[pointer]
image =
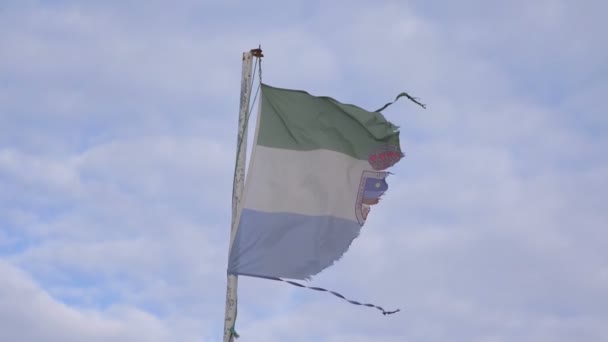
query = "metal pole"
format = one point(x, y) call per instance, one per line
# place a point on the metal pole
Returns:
point(238, 185)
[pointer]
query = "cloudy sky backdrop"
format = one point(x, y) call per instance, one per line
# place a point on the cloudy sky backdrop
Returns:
point(117, 142)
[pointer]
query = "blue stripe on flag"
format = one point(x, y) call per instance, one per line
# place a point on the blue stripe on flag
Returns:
point(287, 245)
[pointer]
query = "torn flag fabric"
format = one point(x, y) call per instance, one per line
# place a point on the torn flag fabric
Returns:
point(317, 168)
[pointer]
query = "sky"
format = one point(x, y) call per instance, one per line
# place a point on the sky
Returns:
point(117, 144)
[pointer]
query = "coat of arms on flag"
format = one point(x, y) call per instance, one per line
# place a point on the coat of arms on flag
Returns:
point(372, 187)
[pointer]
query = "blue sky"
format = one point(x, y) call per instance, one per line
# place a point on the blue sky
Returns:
point(117, 142)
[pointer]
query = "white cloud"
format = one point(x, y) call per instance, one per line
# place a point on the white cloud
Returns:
point(27, 313)
point(116, 153)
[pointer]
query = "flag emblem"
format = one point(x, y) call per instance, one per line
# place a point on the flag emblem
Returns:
point(371, 187)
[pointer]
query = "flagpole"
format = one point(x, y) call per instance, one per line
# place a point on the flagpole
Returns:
point(238, 185)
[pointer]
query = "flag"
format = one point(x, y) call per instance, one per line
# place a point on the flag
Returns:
point(317, 168)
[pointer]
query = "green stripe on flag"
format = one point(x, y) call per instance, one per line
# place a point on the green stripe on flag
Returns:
point(296, 120)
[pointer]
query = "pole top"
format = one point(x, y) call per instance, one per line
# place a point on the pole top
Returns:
point(257, 52)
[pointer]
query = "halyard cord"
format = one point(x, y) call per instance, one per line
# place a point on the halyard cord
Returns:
point(384, 312)
point(240, 142)
point(258, 63)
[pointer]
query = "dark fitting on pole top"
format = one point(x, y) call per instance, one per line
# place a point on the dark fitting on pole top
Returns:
point(257, 52)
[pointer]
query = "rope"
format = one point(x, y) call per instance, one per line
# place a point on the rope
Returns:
point(257, 60)
point(255, 97)
point(240, 142)
point(260, 67)
point(384, 312)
